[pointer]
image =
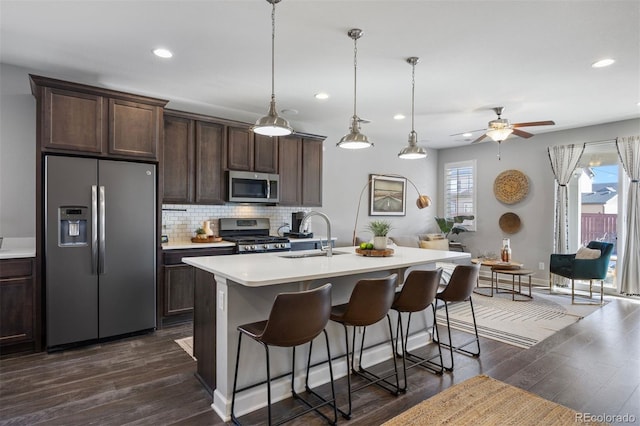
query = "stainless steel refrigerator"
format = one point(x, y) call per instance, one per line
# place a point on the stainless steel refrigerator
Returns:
point(100, 248)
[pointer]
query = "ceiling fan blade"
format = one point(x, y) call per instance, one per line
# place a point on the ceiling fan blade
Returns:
point(480, 138)
point(522, 133)
point(534, 123)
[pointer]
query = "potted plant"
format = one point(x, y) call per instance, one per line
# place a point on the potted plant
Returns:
point(201, 234)
point(452, 225)
point(379, 229)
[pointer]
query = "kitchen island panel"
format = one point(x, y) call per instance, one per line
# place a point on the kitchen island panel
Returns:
point(245, 288)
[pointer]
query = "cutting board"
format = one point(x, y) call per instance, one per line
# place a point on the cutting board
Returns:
point(375, 253)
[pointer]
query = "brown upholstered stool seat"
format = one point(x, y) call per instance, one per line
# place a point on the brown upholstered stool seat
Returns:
point(295, 319)
point(417, 294)
point(459, 289)
point(369, 303)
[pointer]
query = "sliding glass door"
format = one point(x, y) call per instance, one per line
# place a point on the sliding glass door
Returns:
point(595, 202)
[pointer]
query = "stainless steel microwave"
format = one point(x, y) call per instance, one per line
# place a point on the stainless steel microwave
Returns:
point(252, 187)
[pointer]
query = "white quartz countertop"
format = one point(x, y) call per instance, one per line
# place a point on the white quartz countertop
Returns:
point(13, 248)
point(190, 245)
point(262, 269)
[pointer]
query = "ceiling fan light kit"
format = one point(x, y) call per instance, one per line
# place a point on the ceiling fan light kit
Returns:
point(272, 124)
point(413, 151)
point(500, 129)
point(498, 135)
point(354, 139)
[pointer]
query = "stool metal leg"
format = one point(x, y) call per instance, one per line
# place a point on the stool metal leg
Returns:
point(295, 395)
point(365, 374)
point(235, 383)
point(450, 345)
point(416, 360)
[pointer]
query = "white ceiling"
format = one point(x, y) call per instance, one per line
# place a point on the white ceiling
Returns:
point(533, 57)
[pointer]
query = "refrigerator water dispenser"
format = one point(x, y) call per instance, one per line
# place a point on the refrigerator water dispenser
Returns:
point(72, 226)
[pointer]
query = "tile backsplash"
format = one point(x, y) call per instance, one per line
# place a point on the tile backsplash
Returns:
point(179, 221)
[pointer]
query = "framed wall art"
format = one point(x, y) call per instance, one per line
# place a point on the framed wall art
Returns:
point(387, 195)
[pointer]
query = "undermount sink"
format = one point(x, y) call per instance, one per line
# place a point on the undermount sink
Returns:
point(294, 255)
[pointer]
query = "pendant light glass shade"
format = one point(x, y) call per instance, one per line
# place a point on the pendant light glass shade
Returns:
point(272, 124)
point(498, 135)
point(354, 139)
point(413, 151)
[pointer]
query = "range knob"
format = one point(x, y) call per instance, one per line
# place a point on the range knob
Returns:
point(265, 246)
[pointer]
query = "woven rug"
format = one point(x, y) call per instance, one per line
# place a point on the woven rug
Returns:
point(519, 323)
point(482, 400)
point(186, 344)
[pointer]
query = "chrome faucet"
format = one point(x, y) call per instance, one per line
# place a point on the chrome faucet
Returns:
point(328, 247)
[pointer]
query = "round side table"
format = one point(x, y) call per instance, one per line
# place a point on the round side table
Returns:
point(514, 273)
point(497, 264)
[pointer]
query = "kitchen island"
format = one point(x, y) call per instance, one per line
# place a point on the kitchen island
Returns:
point(234, 290)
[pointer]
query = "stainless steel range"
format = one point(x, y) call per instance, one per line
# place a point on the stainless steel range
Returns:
point(251, 235)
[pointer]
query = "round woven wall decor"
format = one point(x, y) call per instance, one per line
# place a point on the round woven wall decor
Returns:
point(511, 186)
point(510, 223)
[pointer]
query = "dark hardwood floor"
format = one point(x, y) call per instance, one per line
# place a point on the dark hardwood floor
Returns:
point(591, 366)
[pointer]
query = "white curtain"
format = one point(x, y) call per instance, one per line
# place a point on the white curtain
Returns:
point(629, 151)
point(564, 159)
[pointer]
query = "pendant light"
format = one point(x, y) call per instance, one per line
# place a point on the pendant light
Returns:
point(354, 139)
point(272, 124)
point(413, 151)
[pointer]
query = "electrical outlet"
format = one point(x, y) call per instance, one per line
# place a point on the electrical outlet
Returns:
point(221, 300)
point(541, 266)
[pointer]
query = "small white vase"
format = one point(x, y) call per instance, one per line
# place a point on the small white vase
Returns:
point(379, 243)
point(207, 228)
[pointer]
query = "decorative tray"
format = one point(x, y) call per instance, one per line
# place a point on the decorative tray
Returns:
point(210, 239)
point(375, 253)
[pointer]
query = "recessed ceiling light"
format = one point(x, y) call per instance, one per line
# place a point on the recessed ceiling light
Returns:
point(467, 135)
point(603, 63)
point(162, 53)
point(399, 117)
point(321, 95)
point(289, 111)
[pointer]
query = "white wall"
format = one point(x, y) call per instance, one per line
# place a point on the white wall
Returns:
point(17, 153)
point(534, 242)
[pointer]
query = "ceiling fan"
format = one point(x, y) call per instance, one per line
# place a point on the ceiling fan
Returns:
point(500, 128)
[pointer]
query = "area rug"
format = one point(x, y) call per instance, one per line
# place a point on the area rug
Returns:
point(482, 400)
point(519, 323)
point(187, 345)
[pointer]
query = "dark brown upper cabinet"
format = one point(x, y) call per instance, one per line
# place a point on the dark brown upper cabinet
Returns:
point(193, 159)
point(178, 159)
point(251, 152)
point(300, 159)
point(239, 148)
point(85, 119)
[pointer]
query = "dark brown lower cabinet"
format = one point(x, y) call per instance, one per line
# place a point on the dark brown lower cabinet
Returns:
point(17, 306)
point(175, 298)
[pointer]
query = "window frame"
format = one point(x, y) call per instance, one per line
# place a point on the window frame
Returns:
point(469, 225)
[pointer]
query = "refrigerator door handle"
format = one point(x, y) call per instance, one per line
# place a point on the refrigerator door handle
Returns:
point(102, 233)
point(94, 229)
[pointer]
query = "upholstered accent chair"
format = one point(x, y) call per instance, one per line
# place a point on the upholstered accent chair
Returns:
point(590, 263)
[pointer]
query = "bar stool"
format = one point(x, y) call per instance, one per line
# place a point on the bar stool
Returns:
point(459, 289)
point(369, 303)
point(417, 294)
point(295, 319)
